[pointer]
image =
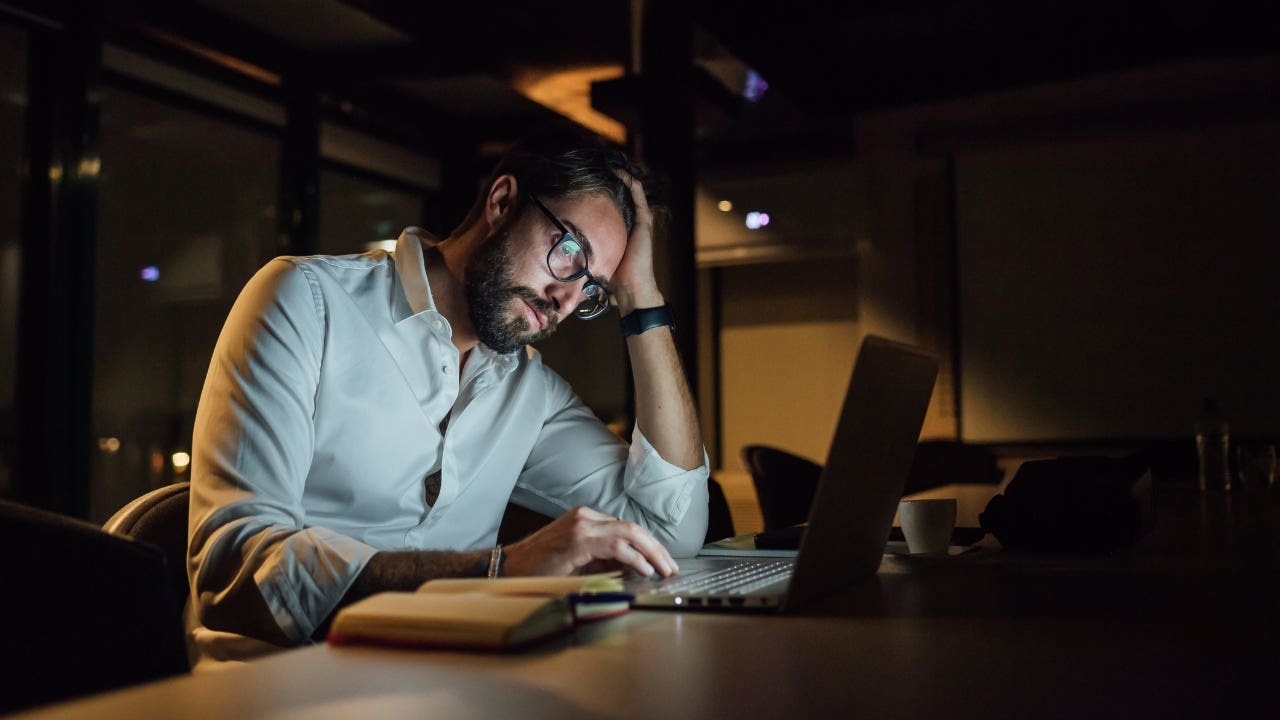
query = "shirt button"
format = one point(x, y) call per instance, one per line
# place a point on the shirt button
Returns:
point(437, 324)
point(445, 369)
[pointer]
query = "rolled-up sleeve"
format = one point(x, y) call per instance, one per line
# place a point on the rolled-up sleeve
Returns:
point(578, 461)
point(251, 452)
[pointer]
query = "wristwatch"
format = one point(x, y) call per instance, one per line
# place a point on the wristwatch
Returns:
point(640, 320)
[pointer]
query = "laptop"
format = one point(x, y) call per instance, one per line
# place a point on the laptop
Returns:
point(853, 507)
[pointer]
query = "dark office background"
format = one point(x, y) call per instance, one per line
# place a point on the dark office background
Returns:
point(1073, 207)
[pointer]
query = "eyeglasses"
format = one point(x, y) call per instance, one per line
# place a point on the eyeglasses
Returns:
point(567, 261)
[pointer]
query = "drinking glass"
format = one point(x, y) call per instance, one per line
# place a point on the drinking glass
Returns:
point(1255, 466)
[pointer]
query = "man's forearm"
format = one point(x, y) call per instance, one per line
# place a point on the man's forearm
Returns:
point(664, 407)
point(665, 411)
point(405, 570)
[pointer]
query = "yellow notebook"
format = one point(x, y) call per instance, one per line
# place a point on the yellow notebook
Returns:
point(483, 613)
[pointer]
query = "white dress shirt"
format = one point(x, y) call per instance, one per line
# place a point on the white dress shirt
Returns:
point(323, 413)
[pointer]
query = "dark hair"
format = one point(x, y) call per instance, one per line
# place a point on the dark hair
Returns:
point(564, 163)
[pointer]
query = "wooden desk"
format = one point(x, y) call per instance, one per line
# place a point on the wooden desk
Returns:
point(990, 635)
point(655, 665)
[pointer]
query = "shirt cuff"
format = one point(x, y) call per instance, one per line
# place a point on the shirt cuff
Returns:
point(316, 569)
point(662, 488)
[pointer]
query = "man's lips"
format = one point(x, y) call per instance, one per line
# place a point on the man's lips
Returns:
point(535, 318)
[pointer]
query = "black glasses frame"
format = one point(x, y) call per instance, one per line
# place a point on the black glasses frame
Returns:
point(594, 290)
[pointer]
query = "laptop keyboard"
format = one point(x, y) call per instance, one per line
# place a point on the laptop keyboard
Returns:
point(741, 579)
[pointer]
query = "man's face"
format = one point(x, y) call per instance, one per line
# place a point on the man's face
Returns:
point(512, 296)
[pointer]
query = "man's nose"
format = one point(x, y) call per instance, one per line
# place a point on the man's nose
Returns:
point(566, 295)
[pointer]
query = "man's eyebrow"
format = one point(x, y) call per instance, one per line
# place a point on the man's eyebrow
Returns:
point(586, 246)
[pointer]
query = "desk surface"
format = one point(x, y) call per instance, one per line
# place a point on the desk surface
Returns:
point(990, 634)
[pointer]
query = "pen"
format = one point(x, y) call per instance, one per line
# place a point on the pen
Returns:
point(600, 597)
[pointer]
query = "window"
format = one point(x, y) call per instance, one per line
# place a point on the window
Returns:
point(186, 214)
point(13, 93)
point(356, 210)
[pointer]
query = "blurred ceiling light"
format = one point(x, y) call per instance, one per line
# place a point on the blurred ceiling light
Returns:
point(757, 220)
point(568, 92)
point(109, 445)
point(89, 167)
point(181, 461)
point(227, 61)
point(724, 205)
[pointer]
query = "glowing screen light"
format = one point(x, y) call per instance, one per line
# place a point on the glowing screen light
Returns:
point(754, 88)
point(150, 273)
point(757, 220)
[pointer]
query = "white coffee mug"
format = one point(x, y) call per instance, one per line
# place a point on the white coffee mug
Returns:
point(927, 524)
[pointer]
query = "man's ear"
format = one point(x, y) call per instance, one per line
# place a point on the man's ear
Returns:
point(500, 203)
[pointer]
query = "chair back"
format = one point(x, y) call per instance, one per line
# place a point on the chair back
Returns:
point(784, 483)
point(85, 611)
point(159, 518)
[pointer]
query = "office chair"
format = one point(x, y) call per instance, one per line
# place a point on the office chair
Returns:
point(159, 517)
point(85, 611)
point(784, 482)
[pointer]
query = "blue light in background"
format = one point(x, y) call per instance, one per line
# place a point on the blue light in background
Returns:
point(150, 273)
point(755, 86)
point(757, 220)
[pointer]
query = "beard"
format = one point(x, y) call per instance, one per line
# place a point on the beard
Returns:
point(492, 293)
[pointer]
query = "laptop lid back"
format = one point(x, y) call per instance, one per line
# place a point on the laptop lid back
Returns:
point(866, 470)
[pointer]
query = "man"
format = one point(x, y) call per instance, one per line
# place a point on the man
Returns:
point(366, 419)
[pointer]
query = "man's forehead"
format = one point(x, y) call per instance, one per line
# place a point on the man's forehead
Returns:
point(597, 223)
point(593, 216)
point(594, 198)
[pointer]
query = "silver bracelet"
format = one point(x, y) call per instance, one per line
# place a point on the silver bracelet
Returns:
point(495, 562)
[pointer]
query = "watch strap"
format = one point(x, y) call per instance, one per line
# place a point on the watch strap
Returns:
point(642, 319)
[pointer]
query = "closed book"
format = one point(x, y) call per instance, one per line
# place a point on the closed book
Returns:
point(479, 613)
point(450, 620)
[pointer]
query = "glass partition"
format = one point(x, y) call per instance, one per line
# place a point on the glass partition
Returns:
point(357, 210)
point(186, 214)
point(13, 103)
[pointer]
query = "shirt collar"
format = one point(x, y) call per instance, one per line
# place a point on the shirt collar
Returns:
point(411, 266)
point(504, 363)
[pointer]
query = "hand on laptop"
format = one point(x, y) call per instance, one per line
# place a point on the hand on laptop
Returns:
point(583, 539)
